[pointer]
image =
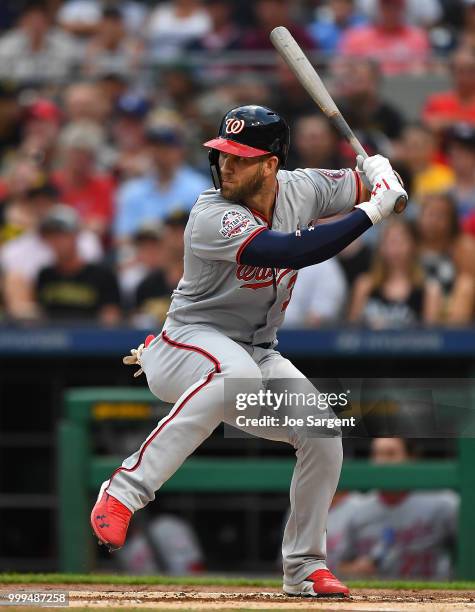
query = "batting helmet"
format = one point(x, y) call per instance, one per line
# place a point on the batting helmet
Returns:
point(249, 131)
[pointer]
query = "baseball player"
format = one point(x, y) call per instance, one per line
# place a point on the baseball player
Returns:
point(244, 243)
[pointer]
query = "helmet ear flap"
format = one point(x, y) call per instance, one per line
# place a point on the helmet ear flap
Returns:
point(213, 157)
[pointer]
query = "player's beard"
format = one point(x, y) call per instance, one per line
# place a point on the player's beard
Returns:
point(244, 191)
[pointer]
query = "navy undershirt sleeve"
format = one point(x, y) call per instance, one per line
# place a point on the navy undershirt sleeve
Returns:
point(280, 250)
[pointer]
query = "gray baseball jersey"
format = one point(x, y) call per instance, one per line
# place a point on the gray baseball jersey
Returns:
point(247, 303)
point(406, 540)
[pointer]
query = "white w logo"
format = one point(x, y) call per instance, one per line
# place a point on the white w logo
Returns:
point(234, 126)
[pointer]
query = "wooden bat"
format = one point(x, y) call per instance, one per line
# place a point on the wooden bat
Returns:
point(297, 61)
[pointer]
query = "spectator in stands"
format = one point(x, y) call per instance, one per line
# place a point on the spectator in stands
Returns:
point(355, 260)
point(23, 207)
point(437, 231)
point(41, 127)
point(79, 183)
point(82, 17)
point(128, 131)
point(461, 154)
point(172, 184)
point(461, 304)
point(148, 255)
point(442, 110)
point(423, 173)
point(21, 174)
point(223, 35)
point(178, 92)
point(21, 259)
point(394, 294)
point(467, 35)
point(71, 289)
point(270, 14)
point(79, 17)
point(171, 26)
point(111, 48)
point(400, 534)
point(357, 86)
point(315, 144)
point(154, 293)
point(332, 21)
point(35, 51)
point(423, 13)
point(318, 296)
point(289, 97)
point(84, 101)
point(10, 121)
point(397, 46)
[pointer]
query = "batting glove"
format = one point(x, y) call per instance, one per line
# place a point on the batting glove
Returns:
point(134, 359)
point(371, 167)
point(387, 190)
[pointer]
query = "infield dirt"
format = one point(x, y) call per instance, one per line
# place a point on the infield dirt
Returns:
point(221, 598)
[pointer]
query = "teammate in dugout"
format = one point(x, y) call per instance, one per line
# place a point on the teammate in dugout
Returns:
point(244, 243)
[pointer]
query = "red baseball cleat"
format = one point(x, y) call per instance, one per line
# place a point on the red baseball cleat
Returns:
point(321, 583)
point(110, 521)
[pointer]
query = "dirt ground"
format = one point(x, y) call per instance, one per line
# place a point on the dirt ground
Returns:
point(221, 598)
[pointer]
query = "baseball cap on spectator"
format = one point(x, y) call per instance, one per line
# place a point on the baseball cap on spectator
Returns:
point(133, 105)
point(46, 190)
point(149, 231)
point(60, 219)
point(170, 135)
point(177, 218)
point(464, 134)
point(84, 135)
point(44, 110)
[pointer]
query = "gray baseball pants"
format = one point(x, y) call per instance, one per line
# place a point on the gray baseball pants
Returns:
point(187, 365)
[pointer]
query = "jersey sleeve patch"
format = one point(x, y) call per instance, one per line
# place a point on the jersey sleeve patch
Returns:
point(332, 174)
point(234, 223)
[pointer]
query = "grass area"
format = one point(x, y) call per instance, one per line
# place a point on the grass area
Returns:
point(71, 579)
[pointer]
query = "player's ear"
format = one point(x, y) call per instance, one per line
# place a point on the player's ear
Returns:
point(270, 164)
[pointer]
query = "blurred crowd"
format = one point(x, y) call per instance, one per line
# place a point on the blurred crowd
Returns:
point(103, 109)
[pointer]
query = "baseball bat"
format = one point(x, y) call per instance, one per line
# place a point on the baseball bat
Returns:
point(298, 62)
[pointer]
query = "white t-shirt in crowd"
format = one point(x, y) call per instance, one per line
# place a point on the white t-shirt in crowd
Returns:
point(320, 291)
point(29, 253)
point(168, 33)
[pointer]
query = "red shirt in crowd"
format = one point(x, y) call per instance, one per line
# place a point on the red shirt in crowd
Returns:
point(448, 108)
point(93, 199)
point(404, 50)
point(468, 225)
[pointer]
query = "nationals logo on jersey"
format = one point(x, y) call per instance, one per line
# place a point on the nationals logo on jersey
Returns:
point(233, 223)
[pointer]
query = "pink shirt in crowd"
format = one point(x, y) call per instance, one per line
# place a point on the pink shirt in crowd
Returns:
point(404, 50)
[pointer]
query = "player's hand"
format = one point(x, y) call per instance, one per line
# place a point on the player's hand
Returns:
point(386, 193)
point(371, 168)
point(135, 359)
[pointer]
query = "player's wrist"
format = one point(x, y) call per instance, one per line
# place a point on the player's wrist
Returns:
point(372, 210)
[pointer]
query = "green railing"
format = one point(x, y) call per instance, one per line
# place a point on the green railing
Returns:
point(81, 473)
